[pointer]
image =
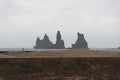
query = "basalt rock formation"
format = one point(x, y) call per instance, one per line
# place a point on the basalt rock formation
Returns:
point(59, 42)
point(118, 47)
point(44, 43)
point(47, 44)
point(80, 42)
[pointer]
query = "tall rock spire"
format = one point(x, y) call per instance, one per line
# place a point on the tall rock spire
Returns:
point(80, 42)
point(59, 43)
point(58, 35)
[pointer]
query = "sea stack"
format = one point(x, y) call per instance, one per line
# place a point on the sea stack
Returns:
point(38, 42)
point(118, 47)
point(59, 42)
point(44, 44)
point(80, 42)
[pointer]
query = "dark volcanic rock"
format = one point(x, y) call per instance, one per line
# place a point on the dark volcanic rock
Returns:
point(59, 42)
point(81, 42)
point(44, 44)
point(118, 47)
point(38, 42)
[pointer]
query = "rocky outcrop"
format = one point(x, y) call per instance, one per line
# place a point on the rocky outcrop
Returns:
point(44, 44)
point(59, 42)
point(80, 42)
point(118, 47)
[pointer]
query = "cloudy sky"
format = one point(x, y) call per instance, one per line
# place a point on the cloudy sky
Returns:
point(21, 21)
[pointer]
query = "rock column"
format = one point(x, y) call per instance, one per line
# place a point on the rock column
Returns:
point(59, 42)
point(80, 42)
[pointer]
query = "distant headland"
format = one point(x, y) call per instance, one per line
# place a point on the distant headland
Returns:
point(45, 43)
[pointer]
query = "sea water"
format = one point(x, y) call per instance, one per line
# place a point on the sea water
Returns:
point(32, 49)
point(28, 49)
point(106, 49)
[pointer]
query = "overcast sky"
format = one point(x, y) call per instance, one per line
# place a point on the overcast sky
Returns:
point(21, 21)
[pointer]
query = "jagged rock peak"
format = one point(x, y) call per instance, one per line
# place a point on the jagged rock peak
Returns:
point(44, 43)
point(37, 42)
point(59, 43)
point(80, 35)
point(58, 35)
point(38, 39)
point(80, 42)
point(118, 47)
point(46, 38)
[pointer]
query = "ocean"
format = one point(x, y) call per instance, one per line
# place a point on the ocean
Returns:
point(28, 49)
point(106, 49)
point(32, 49)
